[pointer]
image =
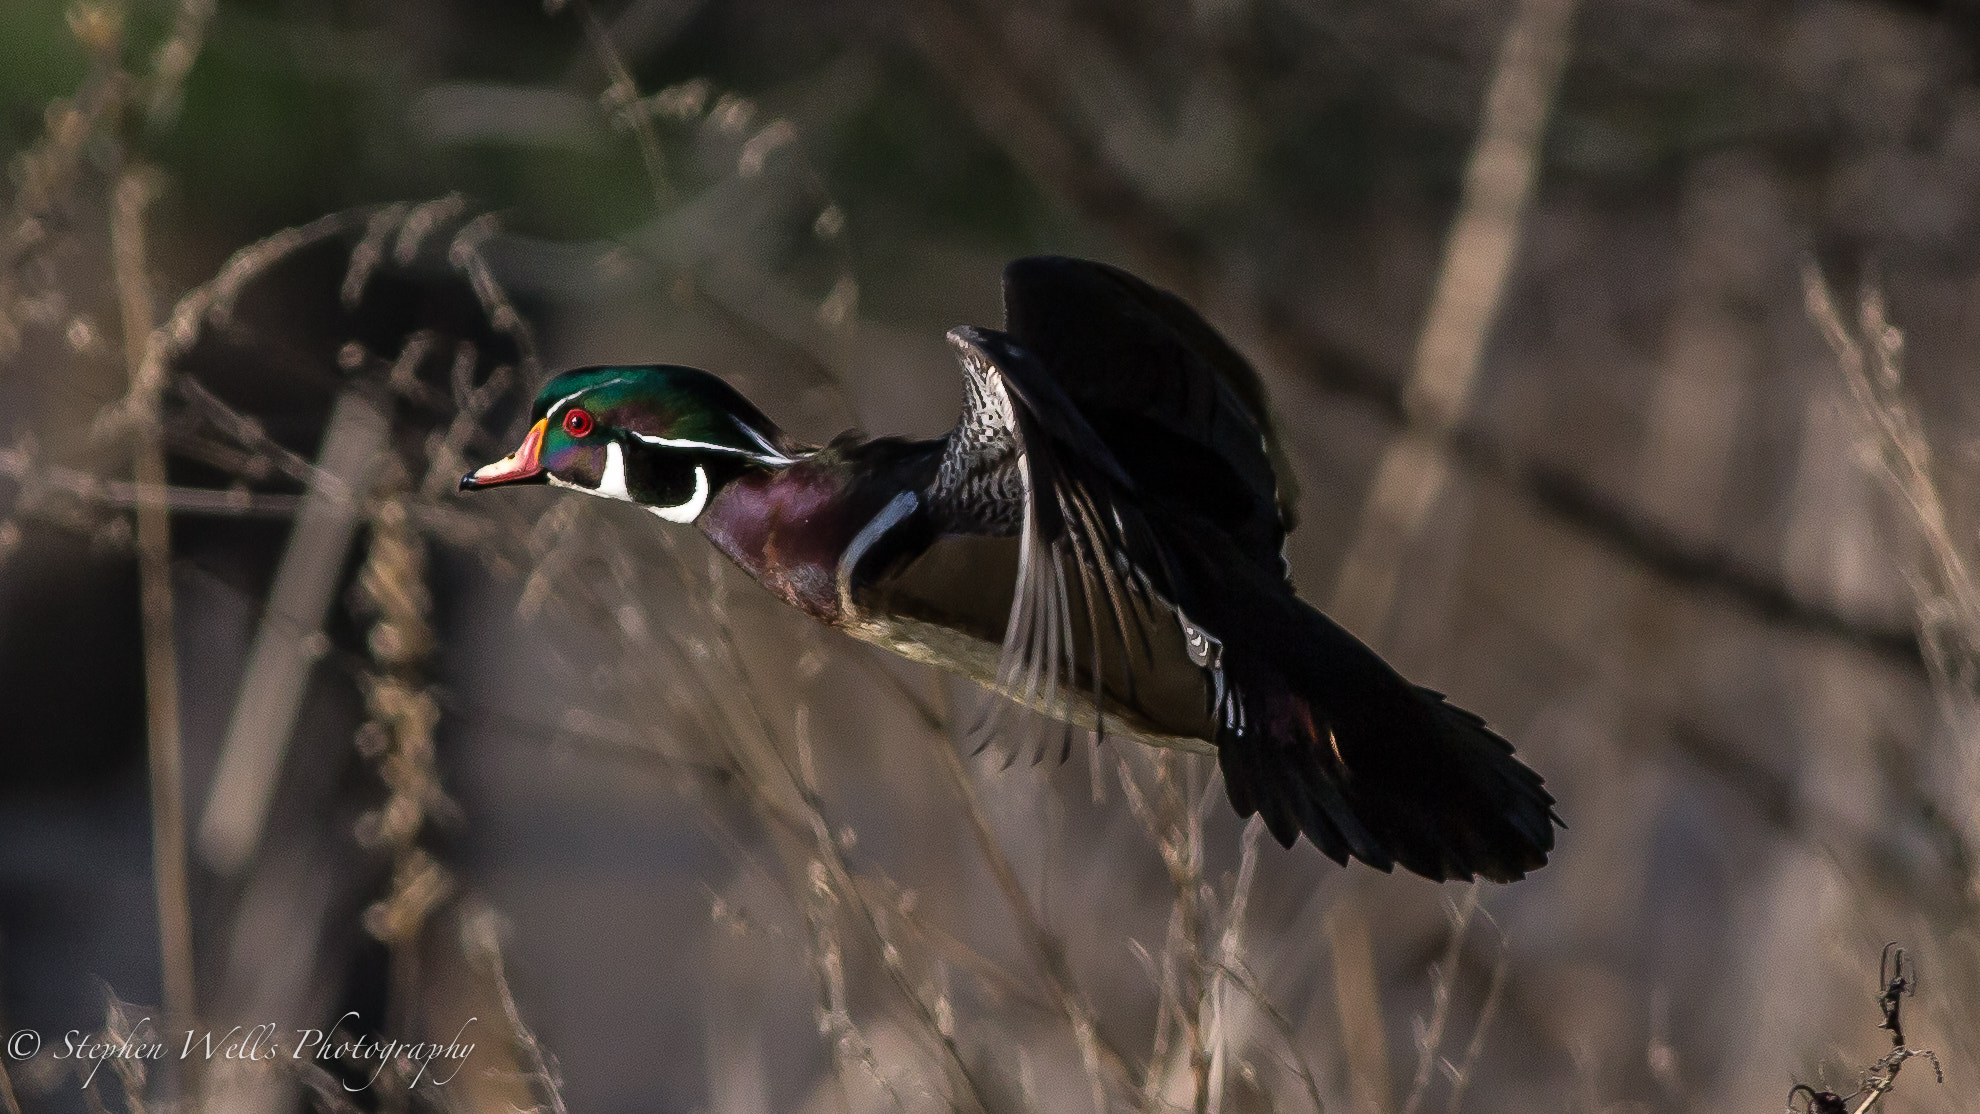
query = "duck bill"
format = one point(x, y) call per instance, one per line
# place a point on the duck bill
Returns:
point(519, 467)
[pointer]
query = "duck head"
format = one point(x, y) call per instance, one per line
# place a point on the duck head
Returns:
point(662, 436)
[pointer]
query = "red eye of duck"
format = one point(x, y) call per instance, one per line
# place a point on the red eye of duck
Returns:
point(578, 423)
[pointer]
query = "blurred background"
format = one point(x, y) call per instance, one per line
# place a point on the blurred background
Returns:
point(1623, 350)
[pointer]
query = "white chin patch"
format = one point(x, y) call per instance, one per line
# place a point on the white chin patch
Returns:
point(690, 510)
point(612, 485)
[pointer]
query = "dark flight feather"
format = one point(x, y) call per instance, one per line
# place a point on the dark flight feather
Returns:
point(1133, 448)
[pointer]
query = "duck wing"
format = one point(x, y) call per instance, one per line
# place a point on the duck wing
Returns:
point(1094, 597)
point(1178, 407)
point(1313, 730)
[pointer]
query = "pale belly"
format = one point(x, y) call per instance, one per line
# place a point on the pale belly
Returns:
point(949, 608)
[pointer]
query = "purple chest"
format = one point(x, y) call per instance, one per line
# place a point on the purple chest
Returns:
point(788, 530)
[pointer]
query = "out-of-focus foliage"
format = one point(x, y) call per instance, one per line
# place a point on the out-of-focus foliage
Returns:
point(1706, 561)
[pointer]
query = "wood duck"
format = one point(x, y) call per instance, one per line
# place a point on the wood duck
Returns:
point(1100, 537)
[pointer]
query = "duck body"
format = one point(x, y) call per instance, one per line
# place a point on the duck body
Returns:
point(832, 536)
point(1100, 539)
point(792, 529)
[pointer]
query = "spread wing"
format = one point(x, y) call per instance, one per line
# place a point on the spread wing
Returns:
point(1104, 398)
point(1312, 728)
point(1181, 411)
point(1094, 572)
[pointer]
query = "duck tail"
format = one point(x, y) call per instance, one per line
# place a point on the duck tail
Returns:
point(1321, 736)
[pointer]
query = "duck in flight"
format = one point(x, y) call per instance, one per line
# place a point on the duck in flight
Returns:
point(1099, 538)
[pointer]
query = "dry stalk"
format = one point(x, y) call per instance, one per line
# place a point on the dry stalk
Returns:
point(161, 664)
point(245, 431)
point(19, 464)
point(1871, 359)
point(1176, 827)
point(818, 898)
point(621, 99)
point(48, 171)
point(288, 638)
point(119, 1029)
point(481, 941)
point(733, 115)
point(173, 60)
point(1242, 978)
point(1358, 1000)
point(1101, 1061)
point(1443, 988)
point(828, 849)
point(831, 869)
point(210, 303)
point(465, 254)
point(1229, 951)
point(1460, 1073)
point(1182, 851)
point(779, 790)
point(827, 950)
point(398, 739)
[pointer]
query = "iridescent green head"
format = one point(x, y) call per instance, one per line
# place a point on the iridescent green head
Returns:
point(662, 436)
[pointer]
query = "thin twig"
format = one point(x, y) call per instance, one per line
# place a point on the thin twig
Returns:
point(46, 172)
point(481, 940)
point(1897, 981)
point(828, 951)
point(174, 60)
point(1176, 830)
point(1871, 359)
point(286, 641)
point(622, 98)
point(211, 302)
point(1494, 993)
point(1244, 980)
point(1357, 997)
point(1095, 1051)
point(755, 741)
point(1443, 990)
point(129, 1070)
point(154, 542)
point(19, 465)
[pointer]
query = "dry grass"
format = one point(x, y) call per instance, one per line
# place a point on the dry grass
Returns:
point(1017, 949)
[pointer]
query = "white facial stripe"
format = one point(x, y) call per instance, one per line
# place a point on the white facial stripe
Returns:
point(690, 510)
point(770, 453)
point(768, 456)
point(574, 394)
point(612, 484)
